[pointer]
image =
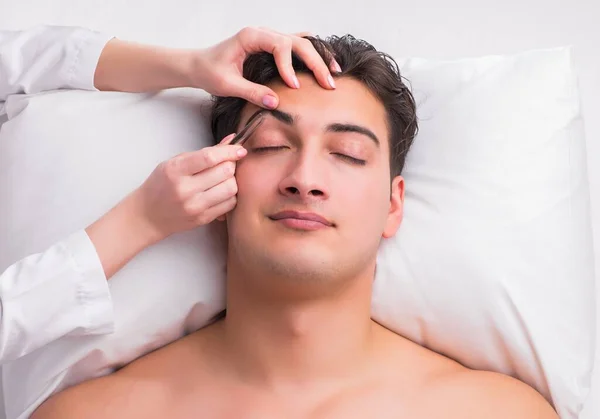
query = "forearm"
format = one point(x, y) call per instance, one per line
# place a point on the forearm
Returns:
point(131, 67)
point(121, 234)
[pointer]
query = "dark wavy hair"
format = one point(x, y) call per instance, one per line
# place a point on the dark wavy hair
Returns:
point(358, 59)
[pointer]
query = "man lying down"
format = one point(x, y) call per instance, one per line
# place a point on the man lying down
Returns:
point(317, 192)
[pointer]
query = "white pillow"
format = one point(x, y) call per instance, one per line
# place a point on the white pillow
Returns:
point(492, 265)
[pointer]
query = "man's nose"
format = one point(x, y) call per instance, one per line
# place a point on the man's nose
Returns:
point(306, 178)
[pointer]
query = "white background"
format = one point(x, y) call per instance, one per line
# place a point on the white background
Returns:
point(426, 28)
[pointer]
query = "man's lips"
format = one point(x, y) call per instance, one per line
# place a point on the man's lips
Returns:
point(300, 219)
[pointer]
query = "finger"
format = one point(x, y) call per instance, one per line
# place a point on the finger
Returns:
point(280, 45)
point(219, 211)
point(303, 34)
point(196, 161)
point(213, 196)
point(305, 50)
point(227, 139)
point(209, 178)
point(255, 93)
point(334, 67)
point(282, 53)
point(262, 39)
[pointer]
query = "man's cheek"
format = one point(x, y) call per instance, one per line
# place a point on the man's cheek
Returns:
point(253, 176)
point(247, 183)
point(253, 193)
point(372, 207)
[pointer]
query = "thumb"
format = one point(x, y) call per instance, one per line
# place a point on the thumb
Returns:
point(255, 93)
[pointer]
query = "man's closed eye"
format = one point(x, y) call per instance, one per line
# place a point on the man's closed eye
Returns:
point(342, 156)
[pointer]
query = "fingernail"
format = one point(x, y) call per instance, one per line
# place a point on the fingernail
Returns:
point(331, 82)
point(296, 82)
point(269, 101)
point(241, 152)
point(337, 66)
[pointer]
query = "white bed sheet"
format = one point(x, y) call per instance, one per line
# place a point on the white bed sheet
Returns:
point(430, 28)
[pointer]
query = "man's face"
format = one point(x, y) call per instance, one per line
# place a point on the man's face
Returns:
point(324, 155)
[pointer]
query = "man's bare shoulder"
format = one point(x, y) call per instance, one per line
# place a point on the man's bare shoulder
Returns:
point(445, 388)
point(139, 390)
point(105, 397)
point(411, 360)
point(481, 394)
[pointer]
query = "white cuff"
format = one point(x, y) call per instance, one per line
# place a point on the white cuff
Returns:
point(89, 47)
point(93, 292)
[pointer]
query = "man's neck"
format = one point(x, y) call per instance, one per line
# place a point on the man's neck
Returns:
point(289, 342)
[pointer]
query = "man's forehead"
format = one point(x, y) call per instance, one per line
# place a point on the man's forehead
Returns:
point(313, 106)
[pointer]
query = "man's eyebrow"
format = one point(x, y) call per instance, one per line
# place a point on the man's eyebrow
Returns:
point(289, 119)
point(284, 117)
point(353, 128)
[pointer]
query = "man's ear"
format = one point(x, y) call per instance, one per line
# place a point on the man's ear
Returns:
point(396, 211)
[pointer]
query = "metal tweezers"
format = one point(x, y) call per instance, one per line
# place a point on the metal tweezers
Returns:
point(251, 126)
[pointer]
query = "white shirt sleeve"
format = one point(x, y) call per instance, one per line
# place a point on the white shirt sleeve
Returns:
point(47, 58)
point(60, 292)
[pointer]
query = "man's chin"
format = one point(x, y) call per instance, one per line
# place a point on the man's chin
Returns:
point(301, 265)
